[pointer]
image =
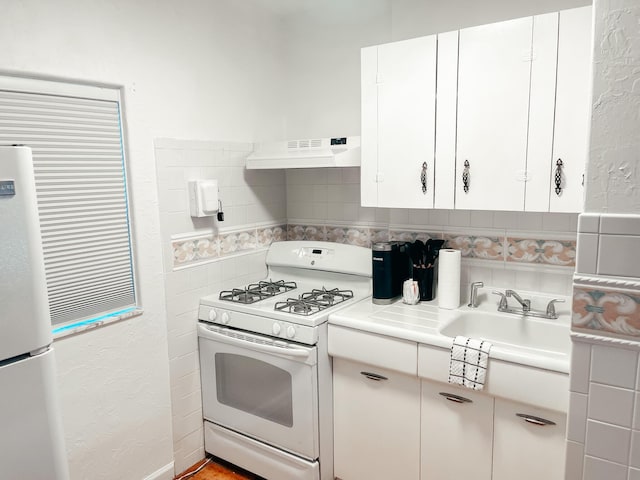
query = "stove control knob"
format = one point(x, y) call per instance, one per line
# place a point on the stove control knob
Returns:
point(276, 329)
point(212, 315)
point(225, 318)
point(291, 331)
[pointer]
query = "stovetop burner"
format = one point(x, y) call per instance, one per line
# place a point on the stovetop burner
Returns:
point(314, 301)
point(256, 291)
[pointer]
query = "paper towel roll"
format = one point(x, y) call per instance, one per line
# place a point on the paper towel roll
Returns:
point(448, 294)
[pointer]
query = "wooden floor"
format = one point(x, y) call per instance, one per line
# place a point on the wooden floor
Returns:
point(218, 470)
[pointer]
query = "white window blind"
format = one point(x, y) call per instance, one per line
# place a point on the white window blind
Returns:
point(81, 188)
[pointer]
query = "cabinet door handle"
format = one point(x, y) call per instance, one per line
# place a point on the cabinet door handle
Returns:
point(455, 398)
point(374, 376)
point(535, 420)
point(423, 177)
point(466, 176)
point(558, 176)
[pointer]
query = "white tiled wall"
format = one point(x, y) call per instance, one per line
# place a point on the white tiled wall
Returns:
point(332, 197)
point(603, 433)
point(317, 196)
point(602, 238)
point(603, 438)
point(183, 290)
point(249, 198)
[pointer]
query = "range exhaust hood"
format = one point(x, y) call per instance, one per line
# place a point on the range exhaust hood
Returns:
point(310, 153)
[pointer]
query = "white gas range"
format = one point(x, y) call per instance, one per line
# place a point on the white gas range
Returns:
point(265, 370)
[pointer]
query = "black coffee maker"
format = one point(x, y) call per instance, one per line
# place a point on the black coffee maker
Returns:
point(391, 267)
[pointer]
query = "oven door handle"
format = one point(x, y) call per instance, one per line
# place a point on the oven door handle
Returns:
point(256, 347)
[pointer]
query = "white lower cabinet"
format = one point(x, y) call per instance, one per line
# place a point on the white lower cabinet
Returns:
point(525, 446)
point(456, 433)
point(376, 422)
point(390, 422)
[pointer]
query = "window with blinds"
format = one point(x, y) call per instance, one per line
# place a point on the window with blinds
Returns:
point(75, 134)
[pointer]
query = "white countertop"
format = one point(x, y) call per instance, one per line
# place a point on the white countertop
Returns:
point(423, 322)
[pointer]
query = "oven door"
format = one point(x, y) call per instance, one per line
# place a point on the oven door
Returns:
point(264, 388)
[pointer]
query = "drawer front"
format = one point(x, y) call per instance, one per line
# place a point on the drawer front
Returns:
point(372, 349)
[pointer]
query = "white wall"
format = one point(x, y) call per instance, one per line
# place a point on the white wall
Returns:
point(322, 55)
point(613, 176)
point(200, 69)
point(322, 51)
point(604, 413)
point(253, 200)
point(414, 18)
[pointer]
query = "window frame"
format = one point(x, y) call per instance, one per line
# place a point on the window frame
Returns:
point(112, 93)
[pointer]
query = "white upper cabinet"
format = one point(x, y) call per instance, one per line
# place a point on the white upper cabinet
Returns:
point(493, 104)
point(398, 124)
point(560, 111)
point(573, 109)
point(507, 113)
point(544, 61)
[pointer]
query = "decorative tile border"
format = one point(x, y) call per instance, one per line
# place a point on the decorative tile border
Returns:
point(349, 235)
point(409, 236)
point(189, 251)
point(606, 305)
point(470, 246)
point(560, 253)
point(548, 252)
point(306, 232)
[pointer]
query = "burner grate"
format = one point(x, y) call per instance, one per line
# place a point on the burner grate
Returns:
point(314, 301)
point(256, 291)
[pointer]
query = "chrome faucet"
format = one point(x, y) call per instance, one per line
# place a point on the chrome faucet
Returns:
point(551, 309)
point(473, 297)
point(503, 306)
point(526, 311)
point(526, 303)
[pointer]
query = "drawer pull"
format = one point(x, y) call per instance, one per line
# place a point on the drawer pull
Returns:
point(374, 376)
point(455, 398)
point(535, 420)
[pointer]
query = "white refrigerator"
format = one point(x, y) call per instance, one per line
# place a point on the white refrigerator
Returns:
point(31, 437)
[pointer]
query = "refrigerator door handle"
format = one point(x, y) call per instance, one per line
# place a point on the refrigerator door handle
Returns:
point(39, 351)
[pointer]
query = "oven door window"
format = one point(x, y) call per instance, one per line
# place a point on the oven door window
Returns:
point(255, 387)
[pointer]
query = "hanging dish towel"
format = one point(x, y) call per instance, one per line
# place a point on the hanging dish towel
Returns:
point(469, 359)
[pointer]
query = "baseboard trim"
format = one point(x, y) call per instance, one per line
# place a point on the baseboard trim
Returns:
point(164, 473)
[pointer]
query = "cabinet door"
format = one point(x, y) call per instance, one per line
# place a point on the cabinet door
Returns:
point(493, 103)
point(525, 449)
point(398, 123)
point(376, 423)
point(541, 111)
point(573, 109)
point(369, 127)
point(456, 433)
